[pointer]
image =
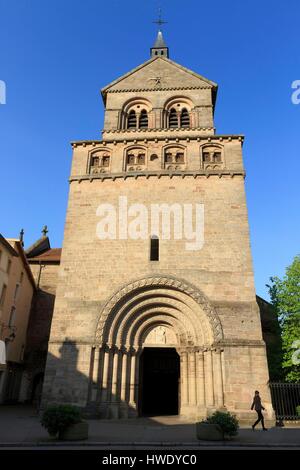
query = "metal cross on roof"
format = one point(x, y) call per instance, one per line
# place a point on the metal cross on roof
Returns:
point(45, 230)
point(159, 21)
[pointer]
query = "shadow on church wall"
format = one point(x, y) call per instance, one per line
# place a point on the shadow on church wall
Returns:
point(65, 383)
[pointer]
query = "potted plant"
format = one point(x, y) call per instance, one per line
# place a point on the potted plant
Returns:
point(65, 422)
point(217, 426)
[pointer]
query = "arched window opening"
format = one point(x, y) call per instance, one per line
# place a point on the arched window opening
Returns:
point(174, 158)
point(143, 124)
point(154, 248)
point(131, 124)
point(173, 118)
point(135, 159)
point(184, 118)
point(100, 162)
point(212, 155)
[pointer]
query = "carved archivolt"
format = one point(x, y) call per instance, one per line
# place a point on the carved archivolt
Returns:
point(153, 301)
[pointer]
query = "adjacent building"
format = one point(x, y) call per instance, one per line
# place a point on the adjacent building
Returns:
point(17, 287)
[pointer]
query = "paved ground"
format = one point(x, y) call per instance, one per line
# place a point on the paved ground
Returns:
point(20, 427)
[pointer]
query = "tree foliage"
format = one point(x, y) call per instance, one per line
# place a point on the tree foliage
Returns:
point(285, 298)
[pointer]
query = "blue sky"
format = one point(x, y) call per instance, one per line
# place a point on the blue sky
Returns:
point(56, 55)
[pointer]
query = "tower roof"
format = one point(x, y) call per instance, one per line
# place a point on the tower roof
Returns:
point(159, 42)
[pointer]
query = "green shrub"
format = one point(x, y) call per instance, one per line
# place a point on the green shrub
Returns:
point(298, 410)
point(227, 422)
point(57, 419)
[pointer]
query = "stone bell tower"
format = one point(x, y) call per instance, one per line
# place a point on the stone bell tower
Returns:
point(144, 324)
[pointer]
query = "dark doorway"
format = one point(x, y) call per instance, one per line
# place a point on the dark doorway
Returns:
point(159, 382)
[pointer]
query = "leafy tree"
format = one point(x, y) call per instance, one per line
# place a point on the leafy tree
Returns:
point(285, 298)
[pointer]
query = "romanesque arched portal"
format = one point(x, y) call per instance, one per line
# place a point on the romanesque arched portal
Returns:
point(158, 312)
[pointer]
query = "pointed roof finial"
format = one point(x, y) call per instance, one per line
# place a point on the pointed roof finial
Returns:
point(45, 230)
point(159, 21)
point(160, 48)
point(22, 236)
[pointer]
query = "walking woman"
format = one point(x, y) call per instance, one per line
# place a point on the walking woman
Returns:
point(258, 408)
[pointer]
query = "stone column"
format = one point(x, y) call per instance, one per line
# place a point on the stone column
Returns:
point(138, 115)
point(124, 385)
point(218, 380)
point(209, 384)
point(105, 383)
point(105, 375)
point(200, 379)
point(114, 405)
point(114, 386)
point(223, 375)
point(184, 380)
point(192, 378)
point(137, 378)
point(124, 376)
point(95, 376)
point(132, 380)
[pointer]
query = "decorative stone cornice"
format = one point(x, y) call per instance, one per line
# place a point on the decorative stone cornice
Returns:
point(139, 90)
point(237, 343)
point(134, 138)
point(159, 174)
point(159, 129)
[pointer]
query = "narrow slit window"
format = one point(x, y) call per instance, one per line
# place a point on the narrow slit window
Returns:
point(206, 156)
point(95, 161)
point(154, 248)
point(105, 161)
point(168, 157)
point(141, 159)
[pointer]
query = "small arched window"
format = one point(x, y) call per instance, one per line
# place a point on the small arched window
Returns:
point(184, 118)
point(173, 118)
point(143, 121)
point(100, 162)
point(131, 123)
point(212, 155)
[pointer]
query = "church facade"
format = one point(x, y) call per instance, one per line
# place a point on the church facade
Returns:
point(145, 325)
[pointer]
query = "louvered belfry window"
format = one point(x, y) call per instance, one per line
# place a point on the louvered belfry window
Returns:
point(184, 118)
point(131, 124)
point(143, 124)
point(173, 118)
